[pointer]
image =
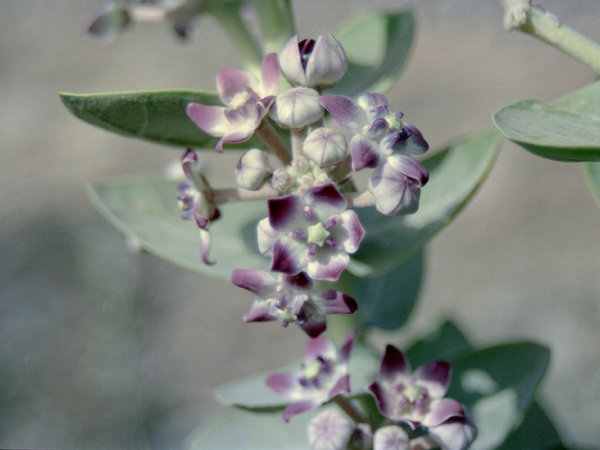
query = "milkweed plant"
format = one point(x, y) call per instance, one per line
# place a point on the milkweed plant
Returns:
point(308, 238)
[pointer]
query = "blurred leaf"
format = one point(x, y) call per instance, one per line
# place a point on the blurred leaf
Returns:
point(157, 116)
point(497, 385)
point(377, 47)
point(233, 429)
point(386, 301)
point(591, 172)
point(567, 129)
point(536, 431)
point(146, 211)
point(253, 394)
point(455, 175)
point(446, 342)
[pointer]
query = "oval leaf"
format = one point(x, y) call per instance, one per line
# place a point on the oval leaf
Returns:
point(497, 395)
point(455, 174)
point(567, 129)
point(386, 301)
point(377, 48)
point(146, 211)
point(157, 116)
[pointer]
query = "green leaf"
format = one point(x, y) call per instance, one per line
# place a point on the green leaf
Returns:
point(146, 211)
point(497, 385)
point(157, 116)
point(377, 47)
point(567, 129)
point(536, 431)
point(386, 301)
point(455, 175)
point(251, 393)
point(446, 342)
point(238, 429)
point(591, 173)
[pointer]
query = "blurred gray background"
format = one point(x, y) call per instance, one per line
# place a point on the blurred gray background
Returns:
point(102, 348)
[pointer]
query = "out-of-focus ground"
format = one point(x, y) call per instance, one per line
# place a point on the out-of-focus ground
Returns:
point(100, 348)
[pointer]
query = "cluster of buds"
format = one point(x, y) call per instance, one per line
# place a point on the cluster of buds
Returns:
point(311, 231)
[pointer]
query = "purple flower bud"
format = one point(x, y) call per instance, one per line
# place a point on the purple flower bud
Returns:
point(316, 64)
point(396, 185)
point(297, 108)
point(252, 170)
point(325, 147)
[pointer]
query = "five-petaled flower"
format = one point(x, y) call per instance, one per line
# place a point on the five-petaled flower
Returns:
point(324, 374)
point(314, 233)
point(248, 101)
point(291, 298)
point(417, 399)
point(195, 200)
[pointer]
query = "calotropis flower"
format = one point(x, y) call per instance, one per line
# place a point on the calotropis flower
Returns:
point(291, 298)
point(378, 131)
point(248, 101)
point(324, 374)
point(417, 399)
point(195, 202)
point(315, 64)
point(314, 233)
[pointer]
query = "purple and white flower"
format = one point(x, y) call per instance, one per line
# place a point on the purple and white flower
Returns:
point(396, 185)
point(195, 200)
point(314, 233)
point(297, 108)
point(291, 298)
point(378, 131)
point(325, 147)
point(315, 64)
point(391, 437)
point(323, 375)
point(248, 101)
point(417, 399)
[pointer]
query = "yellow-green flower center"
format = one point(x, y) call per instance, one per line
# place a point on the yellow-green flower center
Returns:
point(394, 123)
point(317, 234)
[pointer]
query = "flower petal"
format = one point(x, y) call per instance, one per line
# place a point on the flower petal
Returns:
point(231, 82)
point(260, 311)
point(443, 410)
point(435, 376)
point(290, 63)
point(334, 302)
point(327, 265)
point(298, 407)
point(365, 153)
point(283, 383)
point(325, 200)
point(288, 256)
point(345, 112)
point(455, 434)
point(270, 76)
point(210, 119)
point(286, 213)
point(394, 363)
point(259, 282)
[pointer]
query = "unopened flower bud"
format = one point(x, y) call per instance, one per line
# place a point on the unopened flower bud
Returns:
point(252, 170)
point(297, 108)
point(316, 64)
point(325, 147)
point(281, 180)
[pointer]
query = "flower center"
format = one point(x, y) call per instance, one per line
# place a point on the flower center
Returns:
point(393, 122)
point(317, 234)
point(239, 99)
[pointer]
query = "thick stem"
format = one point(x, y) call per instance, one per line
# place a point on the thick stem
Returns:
point(228, 15)
point(546, 27)
point(298, 138)
point(349, 409)
point(360, 199)
point(272, 140)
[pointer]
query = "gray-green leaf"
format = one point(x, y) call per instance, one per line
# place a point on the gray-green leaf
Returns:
point(157, 116)
point(567, 129)
point(146, 211)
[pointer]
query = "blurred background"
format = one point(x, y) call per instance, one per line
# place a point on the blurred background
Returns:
point(104, 348)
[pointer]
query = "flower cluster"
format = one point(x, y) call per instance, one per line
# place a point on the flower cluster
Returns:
point(312, 230)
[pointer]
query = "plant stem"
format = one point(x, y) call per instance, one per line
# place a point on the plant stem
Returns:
point(546, 27)
point(349, 409)
point(228, 15)
point(272, 140)
point(297, 142)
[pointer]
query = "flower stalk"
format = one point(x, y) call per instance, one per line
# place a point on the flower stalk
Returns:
point(272, 140)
